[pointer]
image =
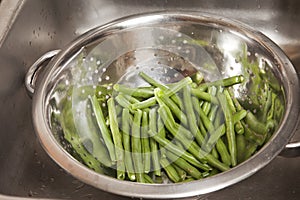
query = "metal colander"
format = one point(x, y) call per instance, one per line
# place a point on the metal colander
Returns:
point(167, 47)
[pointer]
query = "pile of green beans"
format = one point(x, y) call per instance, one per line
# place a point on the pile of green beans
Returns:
point(175, 132)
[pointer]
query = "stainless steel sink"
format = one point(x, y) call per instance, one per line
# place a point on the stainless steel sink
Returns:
point(29, 28)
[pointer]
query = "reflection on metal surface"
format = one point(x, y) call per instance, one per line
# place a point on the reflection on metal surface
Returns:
point(30, 28)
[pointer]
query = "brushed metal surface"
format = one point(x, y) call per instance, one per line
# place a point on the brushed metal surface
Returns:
point(30, 28)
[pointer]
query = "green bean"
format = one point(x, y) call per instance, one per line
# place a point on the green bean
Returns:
point(182, 174)
point(250, 119)
point(169, 169)
point(188, 180)
point(241, 147)
point(204, 119)
point(215, 135)
point(235, 101)
point(207, 123)
point(238, 126)
point(135, 92)
point(253, 136)
point(131, 99)
point(230, 134)
point(214, 153)
point(92, 134)
point(117, 138)
point(238, 116)
point(255, 125)
point(178, 86)
point(70, 134)
point(267, 105)
point(192, 146)
point(207, 105)
point(106, 135)
point(160, 127)
point(211, 160)
point(122, 101)
point(270, 114)
point(163, 87)
point(197, 77)
point(213, 112)
point(136, 146)
point(172, 126)
point(118, 110)
point(223, 82)
point(145, 143)
point(175, 109)
point(153, 144)
point(278, 112)
point(126, 117)
point(144, 104)
point(148, 179)
point(191, 115)
point(204, 96)
point(250, 150)
point(213, 172)
point(153, 82)
point(195, 173)
point(196, 106)
point(202, 128)
point(158, 179)
point(224, 154)
point(178, 151)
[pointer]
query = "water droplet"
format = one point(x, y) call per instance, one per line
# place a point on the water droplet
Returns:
point(173, 41)
point(192, 33)
point(107, 96)
point(99, 93)
point(179, 35)
point(94, 86)
point(107, 78)
point(176, 75)
point(82, 91)
point(96, 71)
point(184, 42)
point(179, 47)
point(67, 82)
point(103, 104)
point(90, 69)
point(104, 69)
point(161, 37)
point(98, 62)
point(187, 51)
point(99, 79)
point(92, 59)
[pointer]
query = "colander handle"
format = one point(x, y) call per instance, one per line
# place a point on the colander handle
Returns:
point(291, 150)
point(33, 71)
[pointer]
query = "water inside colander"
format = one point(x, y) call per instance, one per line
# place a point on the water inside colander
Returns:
point(168, 56)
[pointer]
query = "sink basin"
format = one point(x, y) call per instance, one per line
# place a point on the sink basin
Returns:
point(30, 28)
